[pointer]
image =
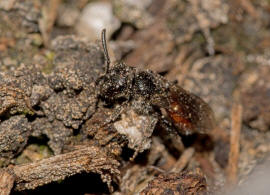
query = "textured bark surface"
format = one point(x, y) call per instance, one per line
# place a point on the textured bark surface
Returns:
point(83, 159)
point(60, 126)
point(6, 182)
point(174, 183)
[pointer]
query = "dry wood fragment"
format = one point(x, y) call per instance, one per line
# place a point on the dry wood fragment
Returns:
point(13, 97)
point(249, 8)
point(159, 151)
point(182, 64)
point(187, 183)
point(48, 19)
point(85, 159)
point(183, 160)
point(236, 117)
point(204, 25)
point(6, 182)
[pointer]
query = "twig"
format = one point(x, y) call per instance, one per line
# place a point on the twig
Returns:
point(47, 21)
point(6, 182)
point(183, 160)
point(249, 8)
point(204, 26)
point(236, 117)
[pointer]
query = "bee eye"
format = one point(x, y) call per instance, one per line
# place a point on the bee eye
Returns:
point(144, 84)
point(115, 85)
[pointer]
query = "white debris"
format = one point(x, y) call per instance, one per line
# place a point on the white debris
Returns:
point(67, 16)
point(96, 16)
point(137, 128)
point(134, 12)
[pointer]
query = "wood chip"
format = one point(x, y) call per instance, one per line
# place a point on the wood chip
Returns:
point(6, 182)
point(236, 117)
point(183, 160)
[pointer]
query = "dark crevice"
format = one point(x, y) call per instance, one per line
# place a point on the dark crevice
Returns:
point(85, 183)
point(40, 140)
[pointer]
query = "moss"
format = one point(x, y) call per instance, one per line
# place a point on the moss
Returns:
point(198, 38)
point(34, 152)
point(50, 65)
point(76, 139)
point(2, 163)
point(27, 112)
point(36, 40)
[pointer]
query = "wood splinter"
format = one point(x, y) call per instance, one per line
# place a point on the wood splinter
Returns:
point(236, 118)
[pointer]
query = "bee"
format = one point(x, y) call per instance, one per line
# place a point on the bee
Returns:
point(150, 93)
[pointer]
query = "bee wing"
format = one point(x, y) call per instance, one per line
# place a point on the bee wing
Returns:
point(189, 112)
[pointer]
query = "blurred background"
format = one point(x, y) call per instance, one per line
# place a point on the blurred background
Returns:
point(217, 49)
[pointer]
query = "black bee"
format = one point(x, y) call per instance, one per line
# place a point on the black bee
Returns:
point(151, 93)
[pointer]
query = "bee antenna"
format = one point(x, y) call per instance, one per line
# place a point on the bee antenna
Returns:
point(105, 50)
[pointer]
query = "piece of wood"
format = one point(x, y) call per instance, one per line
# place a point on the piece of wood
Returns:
point(183, 160)
point(236, 124)
point(49, 14)
point(84, 159)
point(6, 182)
